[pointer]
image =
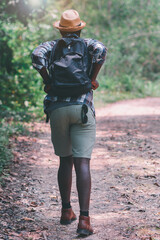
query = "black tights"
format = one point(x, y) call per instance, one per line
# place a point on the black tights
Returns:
point(83, 180)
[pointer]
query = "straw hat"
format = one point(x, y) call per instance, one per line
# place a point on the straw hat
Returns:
point(70, 21)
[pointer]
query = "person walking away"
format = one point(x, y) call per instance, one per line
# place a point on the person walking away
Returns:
point(69, 67)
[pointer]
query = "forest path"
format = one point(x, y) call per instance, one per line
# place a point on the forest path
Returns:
point(125, 168)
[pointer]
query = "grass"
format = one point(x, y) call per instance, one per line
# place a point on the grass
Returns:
point(111, 90)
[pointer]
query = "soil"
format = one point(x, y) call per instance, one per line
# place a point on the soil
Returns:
point(125, 168)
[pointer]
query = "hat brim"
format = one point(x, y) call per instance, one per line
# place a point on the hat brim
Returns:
point(69, 29)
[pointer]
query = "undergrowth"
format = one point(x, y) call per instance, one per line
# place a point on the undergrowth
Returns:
point(7, 130)
point(111, 90)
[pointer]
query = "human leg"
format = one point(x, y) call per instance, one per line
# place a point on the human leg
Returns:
point(83, 182)
point(83, 139)
point(65, 178)
point(60, 135)
point(65, 183)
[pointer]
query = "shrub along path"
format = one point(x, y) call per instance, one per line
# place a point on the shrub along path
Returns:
point(125, 200)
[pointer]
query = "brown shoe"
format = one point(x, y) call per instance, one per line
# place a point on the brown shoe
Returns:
point(67, 216)
point(84, 227)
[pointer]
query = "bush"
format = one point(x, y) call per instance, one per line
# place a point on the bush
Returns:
point(6, 131)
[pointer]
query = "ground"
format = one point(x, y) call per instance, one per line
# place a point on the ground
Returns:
point(125, 168)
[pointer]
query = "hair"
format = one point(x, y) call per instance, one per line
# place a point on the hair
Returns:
point(78, 33)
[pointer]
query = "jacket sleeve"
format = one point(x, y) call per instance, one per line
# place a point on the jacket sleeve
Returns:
point(40, 56)
point(97, 50)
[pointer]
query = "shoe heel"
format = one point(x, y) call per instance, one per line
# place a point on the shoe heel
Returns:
point(84, 232)
point(65, 222)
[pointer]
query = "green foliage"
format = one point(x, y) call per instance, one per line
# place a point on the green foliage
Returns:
point(21, 85)
point(130, 30)
point(6, 131)
point(5, 152)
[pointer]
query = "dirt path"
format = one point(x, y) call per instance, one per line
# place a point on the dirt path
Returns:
point(125, 167)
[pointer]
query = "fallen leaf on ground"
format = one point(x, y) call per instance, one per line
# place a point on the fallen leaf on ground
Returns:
point(53, 198)
point(28, 219)
point(33, 204)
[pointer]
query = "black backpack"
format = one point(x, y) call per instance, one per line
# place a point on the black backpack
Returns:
point(70, 67)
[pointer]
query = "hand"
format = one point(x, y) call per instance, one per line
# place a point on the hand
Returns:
point(95, 85)
point(47, 87)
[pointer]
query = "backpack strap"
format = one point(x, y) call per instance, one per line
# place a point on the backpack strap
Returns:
point(52, 52)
